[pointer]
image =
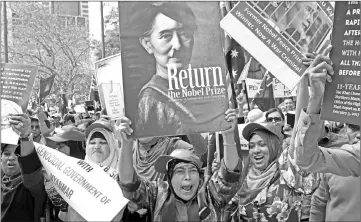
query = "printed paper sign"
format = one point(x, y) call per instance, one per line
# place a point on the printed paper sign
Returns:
point(17, 82)
point(93, 193)
point(281, 91)
point(342, 95)
point(174, 67)
point(243, 141)
point(110, 84)
point(279, 37)
point(113, 99)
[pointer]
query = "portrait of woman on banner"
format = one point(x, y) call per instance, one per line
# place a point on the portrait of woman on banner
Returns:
point(168, 35)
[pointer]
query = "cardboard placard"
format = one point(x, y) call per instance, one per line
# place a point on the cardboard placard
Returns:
point(79, 182)
point(112, 97)
point(279, 36)
point(110, 85)
point(17, 81)
point(174, 74)
point(341, 101)
point(243, 141)
point(253, 86)
point(281, 91)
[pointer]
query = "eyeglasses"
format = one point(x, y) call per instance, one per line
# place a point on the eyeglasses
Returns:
point(274, 119)
point(35, 127)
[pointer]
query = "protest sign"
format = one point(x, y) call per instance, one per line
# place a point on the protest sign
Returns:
point(109, 78)
point(243, 141)
point(341, 101)
point(253, 86)
point(88, 188)
point(17, 82)
point(279, 36)
point(112, 97)
point(174, 82)
point(281, 91)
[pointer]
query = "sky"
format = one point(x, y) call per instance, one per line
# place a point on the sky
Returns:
point(94, 17)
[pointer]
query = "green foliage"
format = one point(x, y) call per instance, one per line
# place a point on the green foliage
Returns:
point(111, 35)
point(54, 43)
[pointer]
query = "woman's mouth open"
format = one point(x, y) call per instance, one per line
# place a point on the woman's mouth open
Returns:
point(187, 188)
point(11, 165)
point(259, 159)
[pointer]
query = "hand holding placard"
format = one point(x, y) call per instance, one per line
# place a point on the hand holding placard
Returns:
point(122, 130)
point(319, 70)
point(20, 123)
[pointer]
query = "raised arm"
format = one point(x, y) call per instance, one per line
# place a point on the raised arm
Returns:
point(122, 132)
point(141, 192)
point(30, 164)
point(45, 131)
point(344, 161)
point(227, 180)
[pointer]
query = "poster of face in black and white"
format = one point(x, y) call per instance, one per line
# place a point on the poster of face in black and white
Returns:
point(173, 67)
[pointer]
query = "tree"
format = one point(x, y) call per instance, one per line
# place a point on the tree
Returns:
point(111, 35)
point(57, 44)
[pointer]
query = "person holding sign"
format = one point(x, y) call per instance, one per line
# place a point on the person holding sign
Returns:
point(176, 198)
point(22, 187)
point(271, 190)
point(310, 157)
point(102, 148)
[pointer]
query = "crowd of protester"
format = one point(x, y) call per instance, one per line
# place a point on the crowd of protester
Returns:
point(170, 178)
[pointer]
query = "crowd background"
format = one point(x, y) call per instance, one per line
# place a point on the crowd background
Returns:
point(305, 172)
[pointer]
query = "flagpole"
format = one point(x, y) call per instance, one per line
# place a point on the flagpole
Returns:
point(6, 34)
point(246, 94)
point(102, 29)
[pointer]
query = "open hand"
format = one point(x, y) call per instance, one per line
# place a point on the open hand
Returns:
point(20, 123)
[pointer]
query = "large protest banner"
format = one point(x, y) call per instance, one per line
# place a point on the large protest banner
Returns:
point(278, 33)
point(174, 68)
point(17, 81)
point(86, 187)
point(341, 101)
point(110, 85)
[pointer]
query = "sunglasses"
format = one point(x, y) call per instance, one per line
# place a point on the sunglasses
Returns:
point(274, 119)
point(35, 127)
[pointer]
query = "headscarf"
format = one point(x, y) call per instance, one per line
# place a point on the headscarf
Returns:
point(145, 155)
point(256, 184)
point(112, 160)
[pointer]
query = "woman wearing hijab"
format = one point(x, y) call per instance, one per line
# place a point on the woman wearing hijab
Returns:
point(102, 148)
point(269, 192)
point(101, 145)
point(178, 198)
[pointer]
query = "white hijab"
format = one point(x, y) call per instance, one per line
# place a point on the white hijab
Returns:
point(113, 158)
